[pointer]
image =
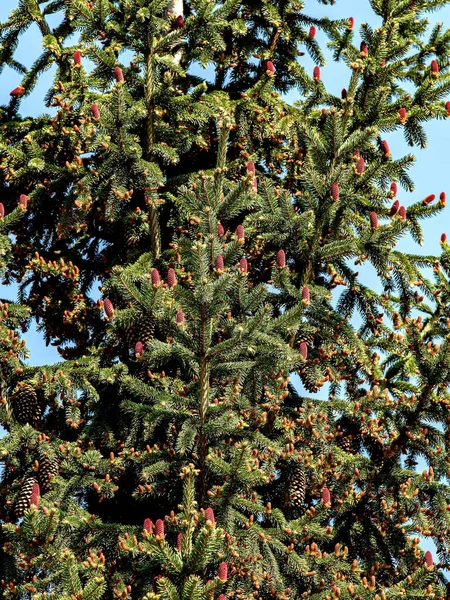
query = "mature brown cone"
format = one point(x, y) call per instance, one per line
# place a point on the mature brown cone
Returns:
point(48, 467)
point(26, 406)
point(24, 496)
point(142, 331)
point(297, 487)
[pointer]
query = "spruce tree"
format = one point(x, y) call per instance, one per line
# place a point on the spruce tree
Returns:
point(171, 453)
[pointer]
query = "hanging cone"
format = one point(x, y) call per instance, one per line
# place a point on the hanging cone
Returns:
point(48, 468)
point(223, 571)
point(17, 92)
point(360, 165)
point(23, 201)
point(306, 297)
point(156, 279)
point(148, 526)
point(394, 208)
point(434, 68)
point(429, 199)
point(26, 406)
point(108, 308)
point(95, 112)
point(118, 75)
point(180, 318)
point(385, 149)
point(243, 265)
point(429, 559)
point(335, 191)
point(240, 234)
point(2, 211)
point(77, 58)
point(304, 350)
point(159, 528)
point(316, 73)
point(326, 496)
point(402, 115)
point(270, 69)
point(351, 23)
point(312, 32)
point(179, 541)
point(281, 259)
point(220, 230)
point(402, 213)
point(219, 266)
point(139, 349)
point(363, 50)
point(23, 499)
point(393, 190)
point(171, 278)
point(373, 217)
point(209, 514)
point(297, 487)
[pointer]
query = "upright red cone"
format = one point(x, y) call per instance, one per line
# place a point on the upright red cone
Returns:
point(281, 259)
point(220, 230)
point(77, 58)
point(306, 296)
point(159, 528)
point(251, 169)
point(434, 68)
point(240, 234)
point(312, 32)
point(118, 75)
point(393, 190)
point(360, 165)
point(351, 23)
point(316, 73)
point(335, 191)
point(385, 149)
point(223, 571)
point(363, 50)
point(373, 217)
point(394, 208)
point(344, 94)
point(23, 201)
point(156, 279)
point(304, 350)
point(2, 211)
point(447, 107)
point(270, 69)
point(243, 265)
point(402, 115)
point(180, 318)
point(442, 199)
point(179, 21)
point(429, 559)
point(402, 213)
point(179, 541)
point(209, 514)
point(17, 92)
point(429, 199)
point(139, 349)
point(326, 496)
point(443, 238)
point(171, 278)
point(108, 308)
point(148, 526)
point(219, 263)
point(95, 112)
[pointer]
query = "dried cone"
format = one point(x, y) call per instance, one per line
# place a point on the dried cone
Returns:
point(148, 526)
point(139, 349)
point(429, 559)
point(306, 296)
point(363, 50)
point(270, 69)
point(394, 208)
point(429, 199)
point(297, 487)
point(26, 406)
point(373, 217)
point(442, 199)
point(351, 23)
point(77, 58)
point(24, 496)
point(360, 166)
point(402, 213)
point(35, 495)
point(220, 230)
point(179, 21)
point(23, 201)
point(434, 68)
point(118, 75)
point(95, 112)
point(243, 265)
point(171, 278)
point(17, 92)
point(48, 468)
point(108, 308)
point(180, 318)
point(281, 259)
point(402, 115)
point(335, 191)
point(312, 32)
point(385, 149)
point(393, 190)
point(209, 514)
point(223, 571)
point(326, 496)
point(240, 234)
point(156, 279)
point(179, 541)
point(159, 528)
point(219, 263)
point(447, 107)
point(2, 211)
point(316, 73)
point(304, 350)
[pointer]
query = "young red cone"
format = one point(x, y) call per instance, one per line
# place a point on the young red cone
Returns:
point(394, 208)
point(304, 350)
point(17, 92)
point(442, 199)
point(148, 525)
point(306, 296)
point(270, 69)
point(363, 50)
point(443, 238)
point(159, 528)
point(179, 541)
point(2, 211)
point(243, 265)
point(447, 107)
point(316, 73)
point(240, 234)
point(360, 165)
point(139, 349)
point(77, 58)
point(171, 278)
point(351, 23)
point(156, 279)
point(23, 201)
point(312, 32)
point(220, 230)
point(251, 169)
point(429, 199)
point(335, 191)
point(402, 115)
point(219, 263)
point(393, 190)
point(95, 112)
point(434, 68)
point(221, 597)
point(344, 94)
point(108, 308)
point(385, 149)
point(373, 217)
point(209, 514)
point(429, 559)
point(35, 495)
point(281, 259)
point(179, 21)
point(223, 571)
point(326, 496)
point(118, 75)
point(180, 318)
point(402, 213)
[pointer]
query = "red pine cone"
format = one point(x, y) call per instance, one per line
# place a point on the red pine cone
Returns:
point(316, 73)
point(442, 198)
point(393, 190)
point(159, 528)
point(312, 32)
point(219, 263)
point(171, 278)
point(270, 69)
point(77, 58)
point(373, 217)
point(428, 559)
point(351, 23)
point(402, 115)
point(326, 496)
point(221, 597)
point(118, 75)
point(95, 111)
point(23, 201)
point(250, 166)
point(344, 94)
point(220, 230)
point(394, 208)
point(335, 191)
point(429, 199)
point(281, 259)
point(240, 234)
point(209, 514)
point(108, 308)
point(139, 349)
point(35, 495)
point(385, 149)
point(304, 350)
point(180, 317)
point(243, 265)
point(447, 107)
point(363, 50)
point(360, 166)
point(402, 213)
point(179, 21)
point(156, 279)
point(223, 571)
point(2, 211)
point(148, 525)
point(443, 238)
point(434, 68)
point(17, 92)
point(179, 541)
point(305, 294)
